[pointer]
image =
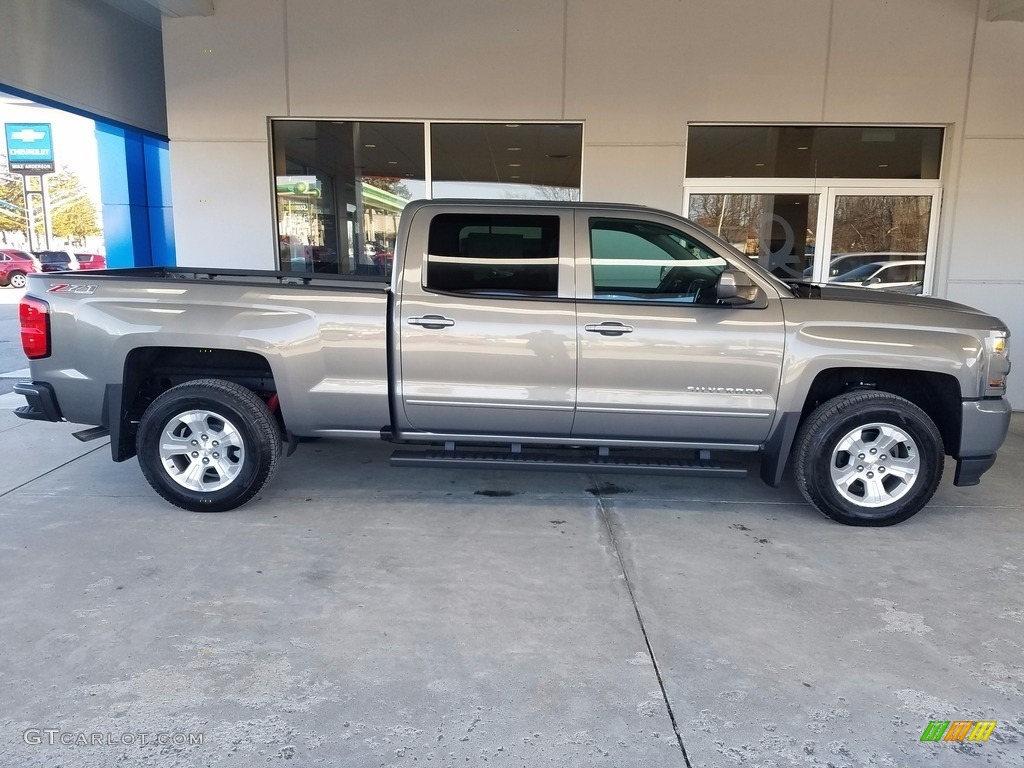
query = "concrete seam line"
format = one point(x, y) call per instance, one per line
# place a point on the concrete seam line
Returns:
point(59, 466)
point(643, 628)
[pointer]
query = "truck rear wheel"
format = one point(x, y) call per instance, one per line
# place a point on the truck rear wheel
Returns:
point(868, 458)
point(208, 445)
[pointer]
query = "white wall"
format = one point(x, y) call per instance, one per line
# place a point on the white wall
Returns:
point(986, 251)
point(637, 73)
point(87, 55)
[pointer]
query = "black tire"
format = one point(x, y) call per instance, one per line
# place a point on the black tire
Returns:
point(235, 437)
point(17, 280)
point(892, 468)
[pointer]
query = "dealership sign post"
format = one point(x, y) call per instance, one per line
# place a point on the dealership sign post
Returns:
point(30, 153)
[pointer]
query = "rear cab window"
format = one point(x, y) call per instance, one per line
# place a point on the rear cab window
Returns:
point(502, 255)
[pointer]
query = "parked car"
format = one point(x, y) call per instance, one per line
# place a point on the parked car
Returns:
point(57, 261)
point(879, 274)
point(15, 265)
point(91, 260)
point(846, 262)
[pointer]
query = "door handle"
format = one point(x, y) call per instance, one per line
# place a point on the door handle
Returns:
point(609, 329)
point(431, 321)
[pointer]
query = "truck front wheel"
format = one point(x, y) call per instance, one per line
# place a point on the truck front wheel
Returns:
point(208, 445)
point(868, 458)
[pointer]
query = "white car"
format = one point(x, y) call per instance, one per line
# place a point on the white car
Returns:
point(884, 274)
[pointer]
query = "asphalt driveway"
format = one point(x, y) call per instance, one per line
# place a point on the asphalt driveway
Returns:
point(359, 615)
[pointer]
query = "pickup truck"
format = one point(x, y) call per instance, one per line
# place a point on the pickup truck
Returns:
point(524, 335)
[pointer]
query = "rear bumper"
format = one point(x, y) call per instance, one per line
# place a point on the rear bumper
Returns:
point(42, 402)
point(983, 429)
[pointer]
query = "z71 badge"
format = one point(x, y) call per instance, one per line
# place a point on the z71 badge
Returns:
point(68, 288)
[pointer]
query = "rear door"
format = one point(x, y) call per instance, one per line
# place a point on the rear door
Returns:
point(659, 358)
point(486, 321)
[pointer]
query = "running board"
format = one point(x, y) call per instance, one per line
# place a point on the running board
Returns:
point(644, 465)
point(93, 433)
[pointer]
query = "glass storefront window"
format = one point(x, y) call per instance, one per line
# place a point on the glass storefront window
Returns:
point(532, 161)
point(813, 152)
point(341, 185)
point(340, 188)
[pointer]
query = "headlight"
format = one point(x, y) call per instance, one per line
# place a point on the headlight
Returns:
point(997, 364)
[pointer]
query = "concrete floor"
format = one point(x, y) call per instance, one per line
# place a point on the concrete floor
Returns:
point(358, 615)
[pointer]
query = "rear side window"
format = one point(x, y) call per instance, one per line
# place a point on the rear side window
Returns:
point(493, 255)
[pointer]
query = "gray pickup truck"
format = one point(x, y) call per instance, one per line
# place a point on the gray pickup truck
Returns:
point(521, 335)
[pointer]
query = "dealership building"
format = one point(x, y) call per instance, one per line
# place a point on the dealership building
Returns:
point(820, 137)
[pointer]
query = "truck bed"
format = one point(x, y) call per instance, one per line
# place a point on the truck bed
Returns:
point(120, 325)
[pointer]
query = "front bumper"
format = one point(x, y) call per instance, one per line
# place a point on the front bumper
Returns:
point(42, 402)
point(983, 428)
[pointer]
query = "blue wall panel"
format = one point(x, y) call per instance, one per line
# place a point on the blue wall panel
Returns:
point(135, 189)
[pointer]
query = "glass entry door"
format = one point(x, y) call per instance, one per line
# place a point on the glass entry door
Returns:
point(871, 237)
point(879, 238)
point(778, 230)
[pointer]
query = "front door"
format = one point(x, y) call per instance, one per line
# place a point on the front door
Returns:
point(659, 359)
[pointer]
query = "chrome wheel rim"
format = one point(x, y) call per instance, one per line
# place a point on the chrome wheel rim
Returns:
point(201, 451)
point(19, 281)
point(875, 465)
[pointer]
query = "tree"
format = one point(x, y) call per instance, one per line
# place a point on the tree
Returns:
point(12, 205)
point(72, 212)
point(391, 184)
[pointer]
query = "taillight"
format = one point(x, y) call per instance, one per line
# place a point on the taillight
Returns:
point(35, 328)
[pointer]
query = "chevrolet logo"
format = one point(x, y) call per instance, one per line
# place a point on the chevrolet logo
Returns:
point(28, 135)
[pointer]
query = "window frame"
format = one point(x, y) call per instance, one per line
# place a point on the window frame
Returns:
point(826, 189)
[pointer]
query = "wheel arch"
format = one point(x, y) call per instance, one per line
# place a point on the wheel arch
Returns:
point(937, 394)
point(150, 371)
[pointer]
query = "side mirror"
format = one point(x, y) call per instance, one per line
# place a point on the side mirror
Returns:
point(736, 287)
point(871, 281)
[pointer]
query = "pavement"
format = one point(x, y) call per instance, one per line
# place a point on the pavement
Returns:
point(13, 365)
point(359, 615)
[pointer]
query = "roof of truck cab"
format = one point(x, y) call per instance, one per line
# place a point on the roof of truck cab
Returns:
point(492, 203)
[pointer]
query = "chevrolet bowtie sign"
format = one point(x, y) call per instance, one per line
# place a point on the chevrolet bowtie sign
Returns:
point(29, 148)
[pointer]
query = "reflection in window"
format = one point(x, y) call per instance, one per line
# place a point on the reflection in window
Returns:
point(640, 260)
point(880, 241)
point(777, 230)
point(340, 187)
point(505, 255)
point(522, 161)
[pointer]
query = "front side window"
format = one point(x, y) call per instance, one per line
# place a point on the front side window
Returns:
point(639, 260)
point(499, 255)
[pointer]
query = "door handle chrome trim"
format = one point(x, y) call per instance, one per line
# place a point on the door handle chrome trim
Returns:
point(431, 321)
point(609, 329)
